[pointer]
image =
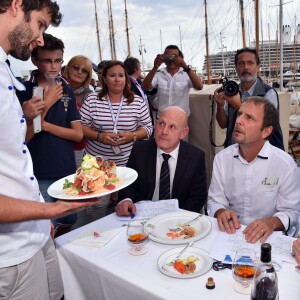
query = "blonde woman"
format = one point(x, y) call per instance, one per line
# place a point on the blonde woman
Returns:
point(78, 73)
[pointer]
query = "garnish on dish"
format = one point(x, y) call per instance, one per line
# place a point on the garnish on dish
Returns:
point(186, 266)
point(94, 174)
point(182, 232)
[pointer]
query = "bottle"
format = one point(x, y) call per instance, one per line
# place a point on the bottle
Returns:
point(265, 283)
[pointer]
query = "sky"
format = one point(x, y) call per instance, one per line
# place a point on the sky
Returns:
point(154, 24)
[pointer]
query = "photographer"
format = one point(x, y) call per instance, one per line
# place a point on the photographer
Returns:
point(173, 83)
point(247, 65)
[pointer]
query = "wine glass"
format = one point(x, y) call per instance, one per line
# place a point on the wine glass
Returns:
point(243, 270)
point(137, 237)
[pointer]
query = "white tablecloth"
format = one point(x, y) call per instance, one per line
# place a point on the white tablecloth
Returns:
point(111, 273)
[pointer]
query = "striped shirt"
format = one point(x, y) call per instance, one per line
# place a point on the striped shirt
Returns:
point(96, 114)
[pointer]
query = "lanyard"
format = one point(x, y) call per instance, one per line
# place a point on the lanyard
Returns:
point(115, 118)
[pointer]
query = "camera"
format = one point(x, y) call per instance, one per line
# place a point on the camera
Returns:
point(229, 87)
point(168, 58)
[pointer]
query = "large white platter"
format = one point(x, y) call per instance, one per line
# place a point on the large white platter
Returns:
point(127, 175)
point(203, 264)
point(160, 225)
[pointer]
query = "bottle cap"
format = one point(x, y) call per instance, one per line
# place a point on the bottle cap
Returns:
point(265, 254)
point(210, 283)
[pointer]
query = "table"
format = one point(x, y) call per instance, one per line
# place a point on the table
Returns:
point(111, 273)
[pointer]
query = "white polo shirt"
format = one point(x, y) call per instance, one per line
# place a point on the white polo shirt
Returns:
point(19, 241)
point(265, 187)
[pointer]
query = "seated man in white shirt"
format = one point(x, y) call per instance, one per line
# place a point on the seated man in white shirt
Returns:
point(253, 182)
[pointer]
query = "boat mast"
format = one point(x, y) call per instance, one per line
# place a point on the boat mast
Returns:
point(97, 32)
point(111, 32)
point(207, 48)
point(180, 39)
point(127, 30)
point(161, 49)
point(257, 25)
point(141, 53)
point(270, 70)
point(281, 45)
point(295, 68)
point(109, 27)
point(223, 62)
point(243, 22)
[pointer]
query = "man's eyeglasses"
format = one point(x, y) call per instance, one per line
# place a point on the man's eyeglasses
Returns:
point(78, 69)
point(49, 61)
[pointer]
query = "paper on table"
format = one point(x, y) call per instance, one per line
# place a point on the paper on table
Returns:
point(226, 246)
point(95, 238)
point(149, 209)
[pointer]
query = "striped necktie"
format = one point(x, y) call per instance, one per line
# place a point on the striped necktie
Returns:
point(164, 181)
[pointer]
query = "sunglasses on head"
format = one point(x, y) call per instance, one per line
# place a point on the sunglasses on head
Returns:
point(78, 69)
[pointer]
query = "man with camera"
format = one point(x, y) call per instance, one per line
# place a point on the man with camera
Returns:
point(173, 83)
point(247, 65)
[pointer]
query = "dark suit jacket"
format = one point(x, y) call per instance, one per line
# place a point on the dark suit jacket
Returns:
point(189, 185)
point(136, 91)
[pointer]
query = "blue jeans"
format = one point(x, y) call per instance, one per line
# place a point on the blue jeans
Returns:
point(67, 220)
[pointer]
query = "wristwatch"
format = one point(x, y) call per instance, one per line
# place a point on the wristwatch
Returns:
point(187, 69)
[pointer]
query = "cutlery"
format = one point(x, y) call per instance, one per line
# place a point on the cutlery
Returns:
point(171, 263)
point(195, 219)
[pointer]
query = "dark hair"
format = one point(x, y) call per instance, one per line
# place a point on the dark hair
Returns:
point(131, 65)
point(127, 93)
point(271, 114)
point(176, 48)
point(246, 49)
point(102, 64)
point(50, 43)
point(30, 5)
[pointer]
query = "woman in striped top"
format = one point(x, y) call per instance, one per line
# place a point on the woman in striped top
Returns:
point(115, 118)
point(112, 121)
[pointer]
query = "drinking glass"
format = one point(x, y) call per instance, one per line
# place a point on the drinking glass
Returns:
point(52, 79)
point(243, 270)
point(137, 237)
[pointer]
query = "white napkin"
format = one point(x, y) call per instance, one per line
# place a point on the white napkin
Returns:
point(95, 238)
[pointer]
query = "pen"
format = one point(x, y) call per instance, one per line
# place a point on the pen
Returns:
point(131, 214)
point(230, 219)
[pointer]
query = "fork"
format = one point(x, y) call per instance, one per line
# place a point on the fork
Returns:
point(171, 263)
point(195, 219)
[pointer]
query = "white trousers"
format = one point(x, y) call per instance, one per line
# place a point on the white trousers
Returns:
point(38, 278)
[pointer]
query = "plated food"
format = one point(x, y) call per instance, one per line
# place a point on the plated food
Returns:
point(94, 174)
point(170, 228)
point(194, 262)
point(182, 232)
point(187, 265)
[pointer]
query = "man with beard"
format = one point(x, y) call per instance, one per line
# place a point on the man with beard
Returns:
point(247, 65)
point(254, 183)
point(28, 263)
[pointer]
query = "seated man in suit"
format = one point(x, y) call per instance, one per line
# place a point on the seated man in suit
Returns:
point(186, 181)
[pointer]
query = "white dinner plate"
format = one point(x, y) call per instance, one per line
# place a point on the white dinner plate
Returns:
point(203, 264)
point(127, 175)
point(160, 225)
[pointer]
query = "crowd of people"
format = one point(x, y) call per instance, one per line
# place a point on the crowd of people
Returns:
point(254, 182)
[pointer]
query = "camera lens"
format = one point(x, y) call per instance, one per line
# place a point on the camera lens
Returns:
point(231, 88)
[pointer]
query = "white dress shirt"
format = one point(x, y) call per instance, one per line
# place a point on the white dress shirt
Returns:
point(172, 90)
point(19, 241)
point(265, 187)
point(172, 167)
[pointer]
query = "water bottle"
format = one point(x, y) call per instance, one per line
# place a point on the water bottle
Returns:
point(265, 282)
